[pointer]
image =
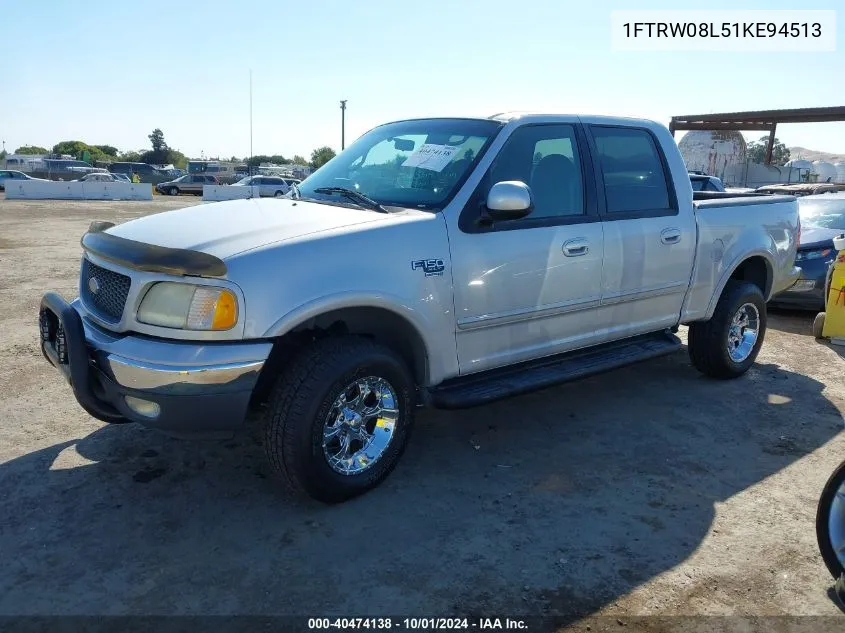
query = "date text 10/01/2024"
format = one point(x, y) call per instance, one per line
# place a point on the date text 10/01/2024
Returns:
point(417, 624)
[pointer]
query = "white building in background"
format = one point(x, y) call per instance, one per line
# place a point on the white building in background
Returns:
point(823, 171)
point(840, 173)
point(713, 151)
point(723, 153)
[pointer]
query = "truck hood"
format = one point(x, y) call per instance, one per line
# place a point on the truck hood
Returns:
point(224, 229)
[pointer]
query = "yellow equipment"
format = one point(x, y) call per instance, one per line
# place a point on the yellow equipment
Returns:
point(831, 322)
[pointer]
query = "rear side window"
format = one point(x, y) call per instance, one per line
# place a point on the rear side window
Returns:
point(634, 178)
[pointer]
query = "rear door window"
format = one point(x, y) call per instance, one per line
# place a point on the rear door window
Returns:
point(635, 180)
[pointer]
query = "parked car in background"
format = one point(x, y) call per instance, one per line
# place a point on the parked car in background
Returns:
point(98, 177)
point(822, 219)
point(703, 182)
point(268, 186)
point(11, 174)
point(122, 178)
point(189, 183)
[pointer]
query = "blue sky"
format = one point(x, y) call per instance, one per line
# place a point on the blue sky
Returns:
point(109, 72)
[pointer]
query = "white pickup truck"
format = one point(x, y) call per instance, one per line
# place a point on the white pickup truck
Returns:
point(447, 262)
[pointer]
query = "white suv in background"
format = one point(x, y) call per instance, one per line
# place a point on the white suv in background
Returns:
point(268, 186)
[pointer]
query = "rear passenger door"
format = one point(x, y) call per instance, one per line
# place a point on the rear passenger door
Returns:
point(649, 245)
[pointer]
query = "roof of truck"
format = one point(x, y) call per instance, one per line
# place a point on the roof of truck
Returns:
point(519, 114)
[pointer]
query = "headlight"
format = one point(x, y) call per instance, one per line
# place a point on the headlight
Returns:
point(189, 307)
point(816, 254)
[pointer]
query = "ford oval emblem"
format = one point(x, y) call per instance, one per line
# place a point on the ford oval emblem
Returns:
point(93, 285)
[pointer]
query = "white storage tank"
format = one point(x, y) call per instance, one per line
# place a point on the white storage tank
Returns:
point(824, 172)
point(712, 151)
point(799, 163)
point(840, 173)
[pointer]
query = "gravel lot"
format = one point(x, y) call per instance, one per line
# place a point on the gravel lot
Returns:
point(650, 490)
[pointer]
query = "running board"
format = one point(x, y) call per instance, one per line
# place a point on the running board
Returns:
point(478, 389)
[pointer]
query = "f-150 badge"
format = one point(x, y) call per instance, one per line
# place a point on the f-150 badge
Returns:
point(431, 267)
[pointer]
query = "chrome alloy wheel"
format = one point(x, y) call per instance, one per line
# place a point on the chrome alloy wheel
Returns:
point(743, 332)
point(360, 425)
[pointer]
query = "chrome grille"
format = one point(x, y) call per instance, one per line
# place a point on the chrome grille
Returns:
point(104, 291)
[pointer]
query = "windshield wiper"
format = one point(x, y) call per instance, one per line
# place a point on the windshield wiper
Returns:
point(360, 198)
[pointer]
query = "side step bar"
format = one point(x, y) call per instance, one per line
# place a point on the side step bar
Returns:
point(474, 390)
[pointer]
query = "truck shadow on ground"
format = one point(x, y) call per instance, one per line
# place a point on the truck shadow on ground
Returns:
point(558, 502)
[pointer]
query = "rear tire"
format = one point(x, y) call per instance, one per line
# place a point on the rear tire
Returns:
point(818, 325)
point(306, 397)
point(710, 341)
point(835, 484)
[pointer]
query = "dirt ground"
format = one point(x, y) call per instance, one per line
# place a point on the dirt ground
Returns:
point(649, 490)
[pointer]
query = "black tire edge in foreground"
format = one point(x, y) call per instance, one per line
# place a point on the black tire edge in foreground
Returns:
point(831, 488)
point(708, 339)
point(300, 402)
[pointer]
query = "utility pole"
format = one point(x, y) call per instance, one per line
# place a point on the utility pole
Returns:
point(250, 121)
point(343, 124)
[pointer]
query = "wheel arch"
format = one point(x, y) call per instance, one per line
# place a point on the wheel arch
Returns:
point(401, 330)
point(756, 268)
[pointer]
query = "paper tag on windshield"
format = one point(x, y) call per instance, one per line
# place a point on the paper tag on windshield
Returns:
point(430, 156)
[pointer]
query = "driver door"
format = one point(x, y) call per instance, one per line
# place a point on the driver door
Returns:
point(530, 287)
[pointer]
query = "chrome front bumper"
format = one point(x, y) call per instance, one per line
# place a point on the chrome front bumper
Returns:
point(184, 388)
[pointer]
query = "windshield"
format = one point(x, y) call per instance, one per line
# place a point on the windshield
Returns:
point(416, 164)
point(826, 214)
point(244, 181)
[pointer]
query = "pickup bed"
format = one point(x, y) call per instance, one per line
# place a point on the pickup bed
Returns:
point(448, 262)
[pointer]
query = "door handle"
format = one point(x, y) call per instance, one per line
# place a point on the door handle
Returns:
point(576, 247)
point(670, 236)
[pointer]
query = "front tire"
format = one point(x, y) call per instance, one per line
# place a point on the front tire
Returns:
point(339, 418)
point(173, 191)
point(727, 345)
point(278, 194)
point(830, 522)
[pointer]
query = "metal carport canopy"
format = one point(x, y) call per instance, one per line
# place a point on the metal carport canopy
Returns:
point(764, 120)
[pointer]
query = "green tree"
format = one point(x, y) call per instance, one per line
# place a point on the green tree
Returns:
point(2, 154)
point(129, 157)
point(78, 148)
point(159, 154)
point(321, 156)
point(177, 159)
point(31, 149)
point(756, 151)
point(157, 140)
point(299, 160)
point(108, 150)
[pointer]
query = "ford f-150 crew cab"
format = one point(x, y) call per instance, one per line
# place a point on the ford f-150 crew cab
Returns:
point(447, 262)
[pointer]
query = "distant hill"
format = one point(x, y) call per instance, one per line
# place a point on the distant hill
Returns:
point(811, 155)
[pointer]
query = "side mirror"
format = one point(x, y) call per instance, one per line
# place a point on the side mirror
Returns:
point(509, 200)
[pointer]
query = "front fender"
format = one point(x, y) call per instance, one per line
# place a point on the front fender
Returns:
point(439, 346)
